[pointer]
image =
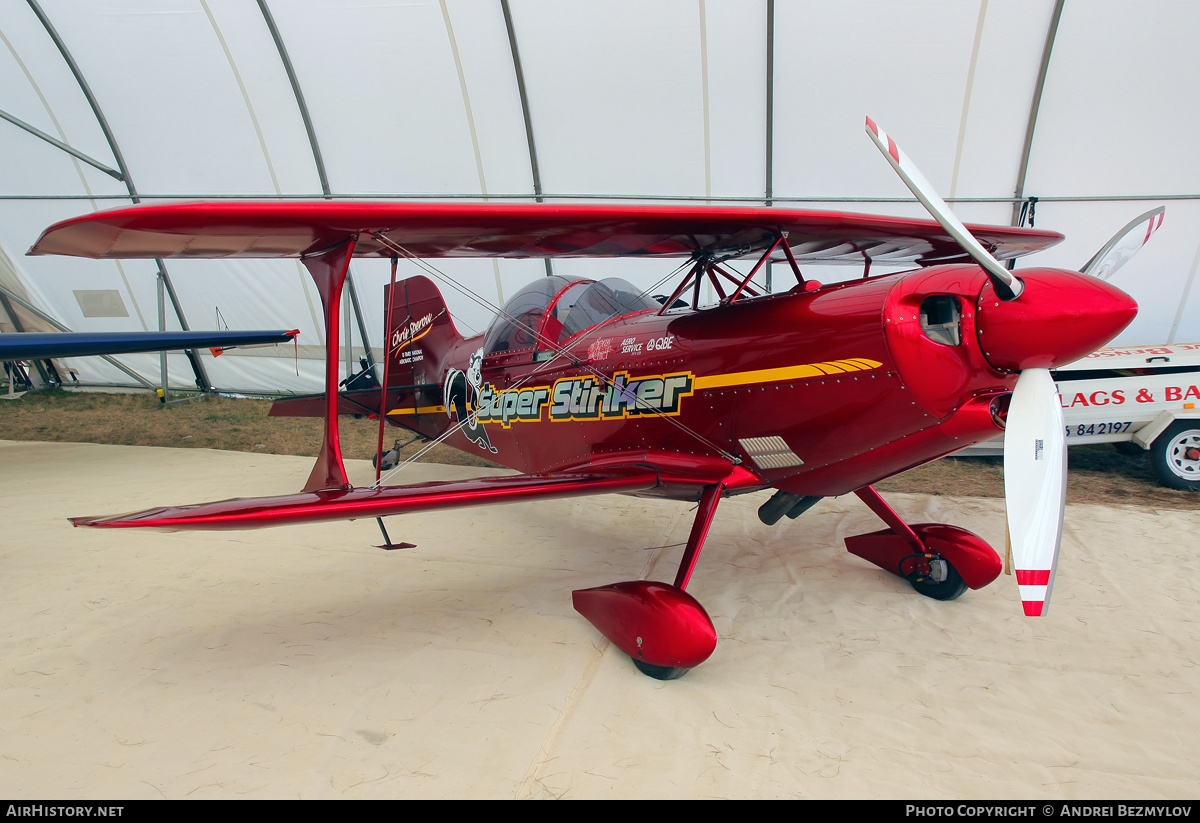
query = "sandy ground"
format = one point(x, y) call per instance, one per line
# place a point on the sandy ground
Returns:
point(302, 662)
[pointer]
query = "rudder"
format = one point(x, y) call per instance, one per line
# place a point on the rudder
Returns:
point(420, 332)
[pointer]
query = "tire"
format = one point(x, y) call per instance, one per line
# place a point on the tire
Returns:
point(659, 672)
point(390, 459)
point(1175, 455)
point(951, 588)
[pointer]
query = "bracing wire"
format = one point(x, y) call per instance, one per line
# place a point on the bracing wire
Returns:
point(558, 350)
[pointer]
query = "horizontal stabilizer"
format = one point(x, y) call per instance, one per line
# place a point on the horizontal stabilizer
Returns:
point(350, 504)
point(44, 345)
point(360, 402)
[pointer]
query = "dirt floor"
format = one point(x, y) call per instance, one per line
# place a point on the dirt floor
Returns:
point(1098, 474)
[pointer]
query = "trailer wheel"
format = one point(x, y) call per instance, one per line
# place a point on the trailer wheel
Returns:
point(1176, 456)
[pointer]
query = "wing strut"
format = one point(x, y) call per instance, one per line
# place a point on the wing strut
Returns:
point(328, 270)
point(387, 358)
point(709, 265)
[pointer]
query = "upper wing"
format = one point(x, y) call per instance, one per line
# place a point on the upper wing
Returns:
point(290, 229)
point(349, 504)
point(41, 345)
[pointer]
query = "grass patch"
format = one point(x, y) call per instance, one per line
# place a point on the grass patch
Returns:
point(1098, 474)
point(206, 422)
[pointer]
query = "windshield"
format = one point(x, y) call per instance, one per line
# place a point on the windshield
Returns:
point(551, 309)
point(598, 301)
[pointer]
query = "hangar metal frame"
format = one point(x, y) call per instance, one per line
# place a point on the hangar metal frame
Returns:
point(511, 29)
point(202, 381)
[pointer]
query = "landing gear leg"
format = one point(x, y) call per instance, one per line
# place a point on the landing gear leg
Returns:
point(940, 561)
point(704, 515)
point(663, 629)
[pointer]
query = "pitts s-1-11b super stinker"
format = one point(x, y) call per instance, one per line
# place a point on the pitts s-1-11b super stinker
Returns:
point(589, 387)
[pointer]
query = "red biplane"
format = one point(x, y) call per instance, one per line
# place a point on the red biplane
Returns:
point(589, 387)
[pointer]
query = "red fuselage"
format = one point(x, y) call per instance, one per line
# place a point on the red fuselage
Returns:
point(851, 382)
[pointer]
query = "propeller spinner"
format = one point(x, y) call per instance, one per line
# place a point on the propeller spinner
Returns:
point(1028, 325)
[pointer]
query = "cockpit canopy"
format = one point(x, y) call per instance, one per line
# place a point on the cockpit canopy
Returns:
point(551, 309)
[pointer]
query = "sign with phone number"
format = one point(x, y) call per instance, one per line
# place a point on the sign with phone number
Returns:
point(1083, 430)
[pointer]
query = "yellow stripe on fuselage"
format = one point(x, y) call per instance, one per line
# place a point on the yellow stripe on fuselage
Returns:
point(743, 378)
point(420, 410)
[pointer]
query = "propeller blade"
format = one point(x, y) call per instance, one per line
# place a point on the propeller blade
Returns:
point(1002, 278)
point(1124, 245)
point(1035, 484)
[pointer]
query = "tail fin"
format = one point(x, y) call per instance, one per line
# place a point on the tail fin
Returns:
point(420, 332)
point(420, 335)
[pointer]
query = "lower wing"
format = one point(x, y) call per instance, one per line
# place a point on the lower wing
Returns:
point(350, 504)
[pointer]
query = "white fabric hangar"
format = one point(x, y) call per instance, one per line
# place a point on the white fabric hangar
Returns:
point(1082, 105)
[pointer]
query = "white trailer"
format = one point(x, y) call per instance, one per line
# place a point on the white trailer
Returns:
point(1145, 397)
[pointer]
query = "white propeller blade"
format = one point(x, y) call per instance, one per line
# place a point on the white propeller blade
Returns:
point(1035, 443)
point(1124, 245)
point(921, 187)
point(1035, 484)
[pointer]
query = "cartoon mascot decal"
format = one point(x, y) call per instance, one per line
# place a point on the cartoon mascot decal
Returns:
point(461, 396)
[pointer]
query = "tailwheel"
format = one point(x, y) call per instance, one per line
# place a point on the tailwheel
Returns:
point(660, 672)
point(389, 461)
point(934, 577)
